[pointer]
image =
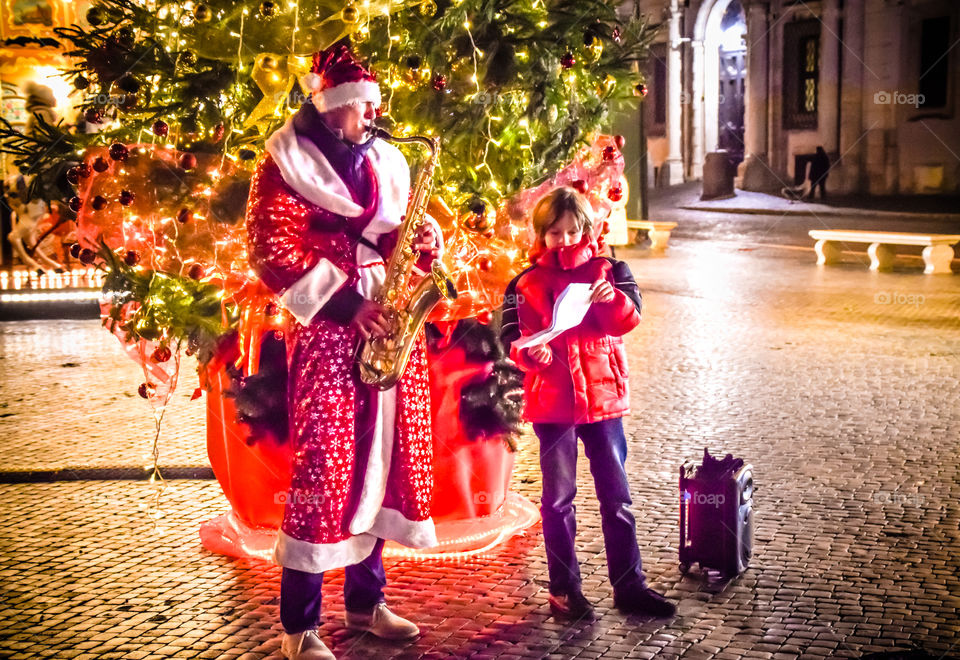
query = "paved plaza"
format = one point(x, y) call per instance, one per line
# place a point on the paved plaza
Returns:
point(841, 387)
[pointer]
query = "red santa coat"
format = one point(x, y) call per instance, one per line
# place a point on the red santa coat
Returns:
point(363, 459)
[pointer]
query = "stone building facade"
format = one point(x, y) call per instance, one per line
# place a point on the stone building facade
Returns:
point(876, 83)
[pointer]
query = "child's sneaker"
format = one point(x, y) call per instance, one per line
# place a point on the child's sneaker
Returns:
point(643, 601)
point(570, 606)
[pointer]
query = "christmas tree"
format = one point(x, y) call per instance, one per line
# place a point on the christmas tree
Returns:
point(177, 100)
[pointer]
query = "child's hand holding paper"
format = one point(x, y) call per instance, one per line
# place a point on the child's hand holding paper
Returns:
point(568, 311)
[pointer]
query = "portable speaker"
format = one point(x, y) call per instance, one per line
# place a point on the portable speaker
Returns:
point(716, 519)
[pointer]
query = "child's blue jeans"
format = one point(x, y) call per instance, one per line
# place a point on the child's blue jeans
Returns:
point(606, 448)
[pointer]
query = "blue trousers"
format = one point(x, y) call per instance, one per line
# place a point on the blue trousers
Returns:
point(301, 598)
point(606, 448)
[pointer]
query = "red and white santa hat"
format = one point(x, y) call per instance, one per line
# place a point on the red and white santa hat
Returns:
point(340, 80)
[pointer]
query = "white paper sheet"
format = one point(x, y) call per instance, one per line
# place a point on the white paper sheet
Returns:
point(568, 312)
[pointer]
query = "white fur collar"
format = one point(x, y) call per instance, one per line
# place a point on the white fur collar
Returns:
point(305, 169)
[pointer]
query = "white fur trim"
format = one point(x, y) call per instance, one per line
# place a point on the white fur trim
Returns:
point(307, 296)
point(392, 525)
point(378, 463)
point(362, 91)
point(371, 279)
point(311, 82)
point(305, 169)
point(320, 557)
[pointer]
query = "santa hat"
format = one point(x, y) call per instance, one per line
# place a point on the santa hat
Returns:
point(340, 79)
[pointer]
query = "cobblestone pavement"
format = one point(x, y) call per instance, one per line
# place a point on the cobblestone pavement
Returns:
point(838, 384)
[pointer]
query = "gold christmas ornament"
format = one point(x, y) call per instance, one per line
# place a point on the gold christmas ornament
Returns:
point(428, 8)
point(203, 14)
point(595, 49)
point(268, 8)
point(350, 14)
point(480, 215)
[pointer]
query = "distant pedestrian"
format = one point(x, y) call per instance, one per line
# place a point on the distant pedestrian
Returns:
point(576, 386)
point(819, 168)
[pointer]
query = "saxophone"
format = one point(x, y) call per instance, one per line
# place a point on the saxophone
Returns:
point(382, 360)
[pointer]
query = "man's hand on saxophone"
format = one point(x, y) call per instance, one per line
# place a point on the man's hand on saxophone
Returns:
point(426, 241)
point(370, 320)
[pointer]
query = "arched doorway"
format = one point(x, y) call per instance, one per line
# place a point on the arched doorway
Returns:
point(719, 76)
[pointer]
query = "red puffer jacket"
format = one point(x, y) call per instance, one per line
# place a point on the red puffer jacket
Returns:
point(586, 381)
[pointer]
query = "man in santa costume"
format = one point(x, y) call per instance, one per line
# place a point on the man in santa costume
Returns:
point(325, 204)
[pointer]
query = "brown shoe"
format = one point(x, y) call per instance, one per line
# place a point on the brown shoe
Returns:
point(306, 645)
point(383, 623)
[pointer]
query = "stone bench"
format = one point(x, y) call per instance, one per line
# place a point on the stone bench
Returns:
point(659, 232)
point(937, 248)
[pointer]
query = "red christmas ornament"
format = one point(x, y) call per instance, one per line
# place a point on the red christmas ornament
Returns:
point(619, 140)
point(100, 164)
point(75, 250)
point(75, 204)
point(439, 82)
point(188, 161)
point(126, 197)
point(98, 203)
point(72, 177)
point(485, 317)
point(87, 256)
point(119, 152)
point(615, 194)
point(485, 264)
point(92, 115)
point(218, 132)
point(184, 216)
point(609, 153)
point(196, 272)
point(162, 354)
point(131, 258)
point(271, 309)
point(580, 186)
point(83, 170)
point(144, 390)
point(160, 128)
point(568, 60)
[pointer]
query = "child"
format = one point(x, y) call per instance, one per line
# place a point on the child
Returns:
point(576, 386)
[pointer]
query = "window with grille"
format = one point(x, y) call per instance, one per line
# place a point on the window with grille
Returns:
point(801, 74)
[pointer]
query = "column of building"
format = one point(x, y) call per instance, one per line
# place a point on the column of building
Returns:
point(674, 162)
point(755, 171)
